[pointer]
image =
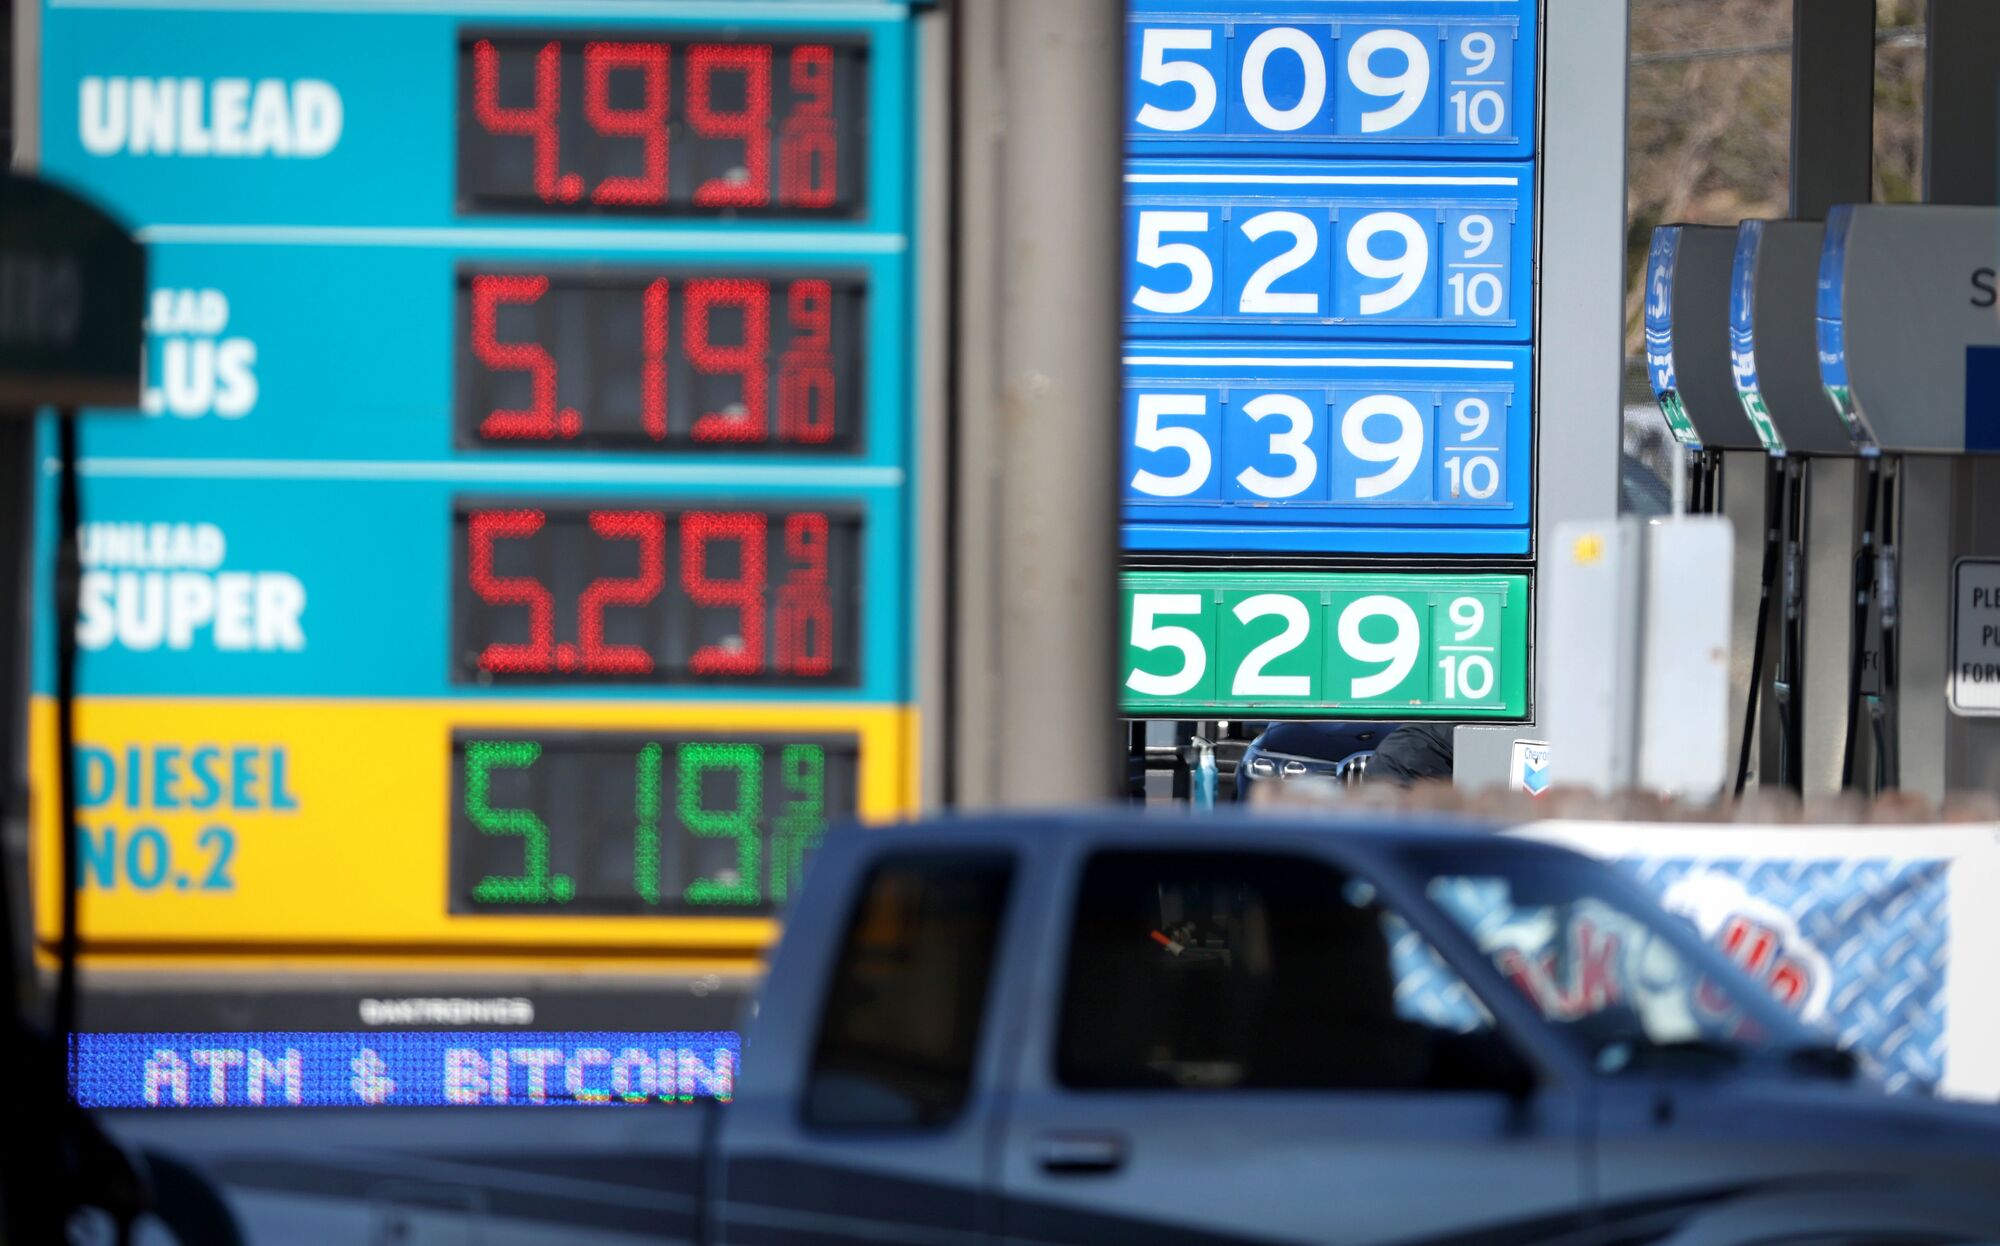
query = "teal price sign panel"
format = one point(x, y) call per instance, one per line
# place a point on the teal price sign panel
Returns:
point(1328, 644)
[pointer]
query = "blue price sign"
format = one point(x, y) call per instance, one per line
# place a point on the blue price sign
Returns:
point(1301, 448)
point(1355, 78)
point(1424, 251)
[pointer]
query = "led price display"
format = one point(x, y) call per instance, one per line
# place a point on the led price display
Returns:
point(681, 360)
point(1428, 250)
point(466, 1068)
point(707, 125)
point(1366, 646)
point(725, 594)
point(639, 824)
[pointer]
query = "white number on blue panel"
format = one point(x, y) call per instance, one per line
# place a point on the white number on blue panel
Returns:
point(1347, 80)
point(1343, 446)
point(1349, 262)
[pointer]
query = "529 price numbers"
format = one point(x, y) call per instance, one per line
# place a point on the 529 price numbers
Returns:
point(665, 595)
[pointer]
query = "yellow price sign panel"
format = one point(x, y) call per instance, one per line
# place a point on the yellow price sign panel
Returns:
point(433, 828)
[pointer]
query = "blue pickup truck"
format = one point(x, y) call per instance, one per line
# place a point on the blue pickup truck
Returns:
point(1107, 1029)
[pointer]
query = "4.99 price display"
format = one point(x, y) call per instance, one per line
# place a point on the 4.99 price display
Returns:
point(699, 126)
point(615, 592)
point(645, 359)
point(624, 823)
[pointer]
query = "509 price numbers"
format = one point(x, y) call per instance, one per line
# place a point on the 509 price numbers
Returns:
point(657, 594)
point(596, 823)
point(1384, 646)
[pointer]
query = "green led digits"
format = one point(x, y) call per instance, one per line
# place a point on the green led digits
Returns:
point(646, 839)
point(534, 885)
point(738, 823)
point(798, 829)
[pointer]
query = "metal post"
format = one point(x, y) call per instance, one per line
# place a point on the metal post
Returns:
point(1961, 99)
point(1833, 104)
point(1039, 223)
point(1581, 312)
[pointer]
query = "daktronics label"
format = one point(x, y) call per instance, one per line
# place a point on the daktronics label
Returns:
point(1327, 644)
point(675, 595)
point(701, 124)
point(682, 360)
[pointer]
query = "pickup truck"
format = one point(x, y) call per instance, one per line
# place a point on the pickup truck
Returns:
point(1101, 1028)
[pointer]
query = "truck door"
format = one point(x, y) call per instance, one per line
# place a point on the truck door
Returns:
point(862, 1118)
point(1229, 1059)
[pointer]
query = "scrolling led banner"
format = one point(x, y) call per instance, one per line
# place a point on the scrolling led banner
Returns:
point(502, 1068)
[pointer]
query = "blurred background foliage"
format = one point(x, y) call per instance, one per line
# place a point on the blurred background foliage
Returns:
point(1710, 117)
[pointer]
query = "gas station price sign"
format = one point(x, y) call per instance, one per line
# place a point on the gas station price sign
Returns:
point(1364, 78)
point(1417, 251)
point(701, 124)
point(687, 360)
point(1328, 644)
point(625, 823)
point(617, 592)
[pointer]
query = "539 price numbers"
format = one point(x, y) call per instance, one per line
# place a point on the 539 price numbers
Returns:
point(703, 126)
point(1342, 445)
point(640, 824)
point(1366, 645)
point(616, 592)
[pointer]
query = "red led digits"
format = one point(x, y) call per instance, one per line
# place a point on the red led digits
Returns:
point(538, 122)
point(653, 361)
point(809, 147)
point(647, 123)
point(742, 654)
point(805, 373)
point(649, 529)
point(542, 420)
point(805, 610)
point(749, 359)
point(751, 125)
point(483, 528)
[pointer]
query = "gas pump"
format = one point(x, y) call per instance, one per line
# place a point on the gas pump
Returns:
point(1774, 353)
point(1690, 276)
point(1908, 350)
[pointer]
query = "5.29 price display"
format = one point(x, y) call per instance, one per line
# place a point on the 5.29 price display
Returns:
point(707, 125)
point(646, 359)
point(622, 593)
point(592, 822)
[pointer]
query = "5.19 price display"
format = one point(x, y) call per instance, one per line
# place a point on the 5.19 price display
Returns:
point(622, 593)
point(645, 359)
point(706, 125)
point(593, 822)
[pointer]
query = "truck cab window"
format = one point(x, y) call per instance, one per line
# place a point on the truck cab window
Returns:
point(908, 996)
point(1198, 970)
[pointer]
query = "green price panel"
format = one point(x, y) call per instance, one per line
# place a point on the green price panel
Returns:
point(1328, 644)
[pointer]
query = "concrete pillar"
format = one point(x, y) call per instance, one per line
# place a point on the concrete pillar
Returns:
point(1038, 198)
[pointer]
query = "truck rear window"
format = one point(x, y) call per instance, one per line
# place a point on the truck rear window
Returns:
point(903, 1015)
point(1219, 971)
